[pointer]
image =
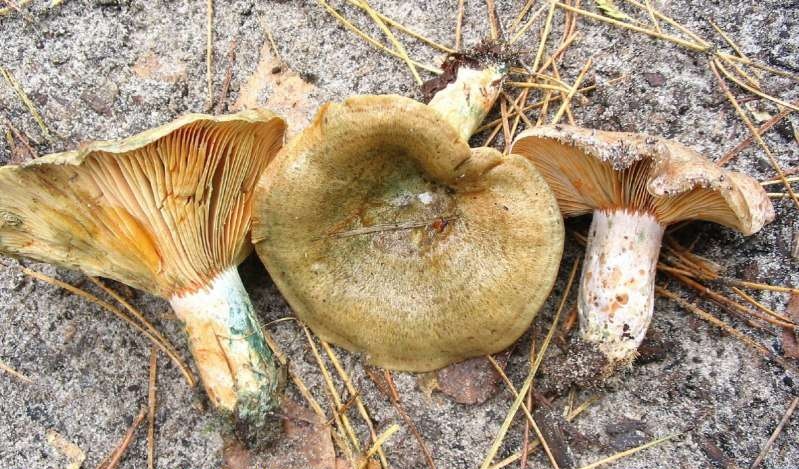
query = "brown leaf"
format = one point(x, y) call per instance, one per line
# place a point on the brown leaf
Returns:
point(305, 444)
point(152, 67)
point(287, 93)
point(473, 381)
point(790, 345)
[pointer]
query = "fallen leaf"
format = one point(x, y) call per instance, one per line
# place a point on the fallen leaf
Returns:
point(152, 67)
point(74, 454)
point(608, 8)
point(790, 345)
point(472, 381)
point(306, 443)
point(287, 93)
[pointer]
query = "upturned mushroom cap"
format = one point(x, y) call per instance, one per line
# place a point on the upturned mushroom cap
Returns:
point(593, 169)
point(163, 211)
point(388, 235)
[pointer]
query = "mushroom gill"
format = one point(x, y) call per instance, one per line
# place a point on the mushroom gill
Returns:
point(635, 186)
point(166, 211)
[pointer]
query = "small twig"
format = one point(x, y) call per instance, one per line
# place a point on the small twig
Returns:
point(151, 403)
point(113, 459)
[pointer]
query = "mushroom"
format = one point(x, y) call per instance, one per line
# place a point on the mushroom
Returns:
point(635, 186)
point(388, 235)
point(166, 211)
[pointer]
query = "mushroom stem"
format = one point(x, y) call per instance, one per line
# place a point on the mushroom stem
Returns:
point(617, 289)
point(465, 102)
point(237, 367)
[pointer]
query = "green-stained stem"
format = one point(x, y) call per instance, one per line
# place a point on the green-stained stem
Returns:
point(238, 369)
point(466, 101)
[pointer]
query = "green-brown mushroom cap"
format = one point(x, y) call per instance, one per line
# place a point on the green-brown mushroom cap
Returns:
point(388, 235)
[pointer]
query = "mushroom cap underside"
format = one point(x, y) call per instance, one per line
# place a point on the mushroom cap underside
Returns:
point(388, 235)
point(163, 211)
point(592, 169)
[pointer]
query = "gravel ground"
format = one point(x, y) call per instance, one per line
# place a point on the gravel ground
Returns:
point(105, 69)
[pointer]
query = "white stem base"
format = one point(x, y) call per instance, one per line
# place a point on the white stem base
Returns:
point(466, 102)
point(236, 365)
point(617, 289)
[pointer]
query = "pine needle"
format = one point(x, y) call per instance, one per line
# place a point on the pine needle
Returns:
point(357, 397)
point(526, 412)
point(704, 315)
point(714, 67)
point(151, 403)
point(410, 32)
point(493, 22)
point(459, 25)
point(27, 102)
point(374, 42)
point(364, 4)
point(342, 420)
point(295, 377)
point(112, 460)
point(503, 429)
point(388, 433)
point(565, 103)
point(752, 90)
point(163, 346)
point(209, 51)
point(13, 6)
point(518, 34)
point(775, 434)
point(667, 37)
point(136, 314)
point(629, 452)
point(15, 373)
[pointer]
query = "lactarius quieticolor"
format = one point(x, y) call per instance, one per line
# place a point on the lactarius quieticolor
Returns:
point(388, 235)
point(635, 186)
point(166, 211)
